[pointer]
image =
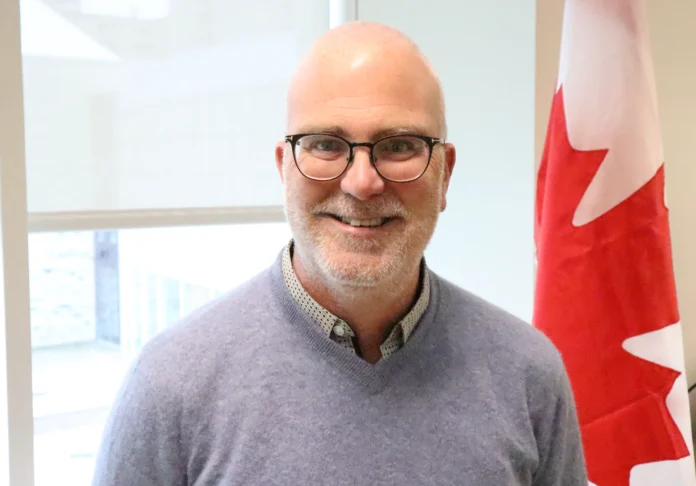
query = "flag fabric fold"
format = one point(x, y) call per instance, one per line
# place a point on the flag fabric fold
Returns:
point(605, 291)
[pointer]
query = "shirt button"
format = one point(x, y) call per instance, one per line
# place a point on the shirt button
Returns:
point(338, 330)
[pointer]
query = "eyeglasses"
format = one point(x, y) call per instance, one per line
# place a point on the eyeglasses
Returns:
point(397, 158)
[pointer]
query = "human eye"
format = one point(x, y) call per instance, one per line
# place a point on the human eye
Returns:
point(397, 148)
point(400, 145)
point(324, 146)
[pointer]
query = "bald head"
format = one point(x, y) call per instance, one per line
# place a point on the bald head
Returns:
point(368, 70)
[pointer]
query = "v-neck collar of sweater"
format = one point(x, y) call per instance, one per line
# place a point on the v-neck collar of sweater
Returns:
point(373, 377)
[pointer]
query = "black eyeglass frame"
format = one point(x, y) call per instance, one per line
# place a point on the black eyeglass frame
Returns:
point(431, 141)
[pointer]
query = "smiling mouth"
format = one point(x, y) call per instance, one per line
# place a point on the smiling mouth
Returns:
point(361, 223)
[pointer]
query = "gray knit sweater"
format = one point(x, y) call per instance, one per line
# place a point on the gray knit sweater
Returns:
point(250, 391)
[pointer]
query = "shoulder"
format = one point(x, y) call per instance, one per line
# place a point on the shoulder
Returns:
point(218, 330)
point(496, 336)
point(510, 356)
point(149, 424)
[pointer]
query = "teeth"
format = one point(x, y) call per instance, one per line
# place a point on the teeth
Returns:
point(364, 222)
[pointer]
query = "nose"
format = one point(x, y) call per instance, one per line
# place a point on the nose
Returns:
point(361, 180)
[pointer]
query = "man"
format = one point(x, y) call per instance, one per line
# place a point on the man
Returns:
point(349, 361)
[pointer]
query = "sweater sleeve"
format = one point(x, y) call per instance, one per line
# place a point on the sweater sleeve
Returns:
point(561, 456)
point(141, 439)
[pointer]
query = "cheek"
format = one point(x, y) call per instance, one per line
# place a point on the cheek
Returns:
point(420, 197)
point(304, 193)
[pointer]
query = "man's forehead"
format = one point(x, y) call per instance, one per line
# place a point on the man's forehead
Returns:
point(330, 77)
point(368, 114)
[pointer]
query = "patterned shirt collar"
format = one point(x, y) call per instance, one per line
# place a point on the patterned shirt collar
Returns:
point(337, 329)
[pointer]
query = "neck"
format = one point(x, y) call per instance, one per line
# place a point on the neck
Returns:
point(371, 311)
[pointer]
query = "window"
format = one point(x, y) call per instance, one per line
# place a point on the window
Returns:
point(152, 104)
point(97, 298)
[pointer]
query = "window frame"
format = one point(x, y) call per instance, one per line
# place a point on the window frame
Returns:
point(16, 423)
point(152, 218)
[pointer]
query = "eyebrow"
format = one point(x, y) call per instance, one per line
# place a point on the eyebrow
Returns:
point(385, 132)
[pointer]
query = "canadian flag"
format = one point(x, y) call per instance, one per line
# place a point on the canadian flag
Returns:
point(605, 291)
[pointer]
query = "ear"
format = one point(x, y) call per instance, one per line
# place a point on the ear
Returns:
point(279, 157)
point(450, 159)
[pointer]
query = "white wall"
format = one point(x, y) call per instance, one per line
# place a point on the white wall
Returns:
point(484, 54)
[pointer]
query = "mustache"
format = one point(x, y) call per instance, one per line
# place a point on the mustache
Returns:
point(380, 208)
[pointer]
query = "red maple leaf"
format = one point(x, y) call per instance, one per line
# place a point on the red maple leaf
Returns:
point(598, 285)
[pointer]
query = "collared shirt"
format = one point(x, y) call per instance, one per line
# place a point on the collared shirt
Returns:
point(337, 329)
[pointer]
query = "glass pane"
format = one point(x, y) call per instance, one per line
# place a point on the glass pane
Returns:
point(96, 298)
point(187, 96)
